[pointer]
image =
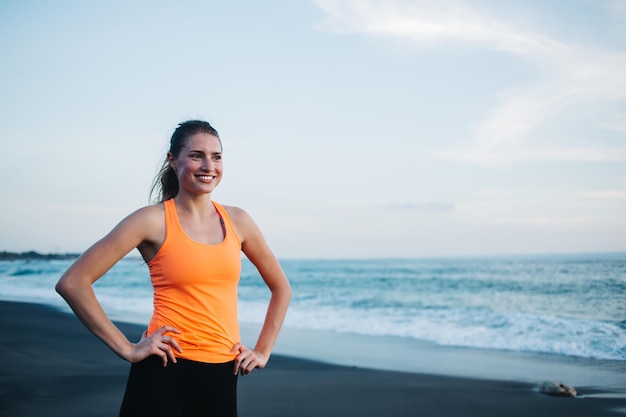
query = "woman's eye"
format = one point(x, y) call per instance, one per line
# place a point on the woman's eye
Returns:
point(217, 157)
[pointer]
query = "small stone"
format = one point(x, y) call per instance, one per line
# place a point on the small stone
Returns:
point(557, 389)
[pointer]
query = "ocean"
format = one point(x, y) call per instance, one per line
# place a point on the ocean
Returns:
point(564, 305)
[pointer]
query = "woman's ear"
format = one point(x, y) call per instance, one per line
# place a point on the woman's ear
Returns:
point(171, 161)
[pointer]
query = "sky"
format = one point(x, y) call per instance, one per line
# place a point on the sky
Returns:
point(351, 129)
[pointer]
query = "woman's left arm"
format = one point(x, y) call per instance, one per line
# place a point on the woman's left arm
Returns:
point(255, 247)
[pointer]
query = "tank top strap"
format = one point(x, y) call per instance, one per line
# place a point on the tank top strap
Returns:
point(170, 215)
point(230, 230)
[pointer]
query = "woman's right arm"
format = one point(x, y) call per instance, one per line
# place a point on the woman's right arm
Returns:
point(75, 286)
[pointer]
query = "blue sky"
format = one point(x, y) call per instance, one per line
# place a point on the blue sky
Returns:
point(350, 128)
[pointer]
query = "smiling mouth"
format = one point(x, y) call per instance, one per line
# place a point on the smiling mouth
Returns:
point(206, 177)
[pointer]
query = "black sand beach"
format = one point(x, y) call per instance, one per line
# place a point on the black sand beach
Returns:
point(52, 366)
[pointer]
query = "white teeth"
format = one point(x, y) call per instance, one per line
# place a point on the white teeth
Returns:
point(206, 177)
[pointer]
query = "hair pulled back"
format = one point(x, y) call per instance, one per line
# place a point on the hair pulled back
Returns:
point(166, 182)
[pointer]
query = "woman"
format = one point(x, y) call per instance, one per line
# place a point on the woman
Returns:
point(188, 360)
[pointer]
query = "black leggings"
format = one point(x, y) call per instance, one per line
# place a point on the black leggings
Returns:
point(186, 388)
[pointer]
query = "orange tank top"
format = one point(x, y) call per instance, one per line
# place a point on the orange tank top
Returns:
point(195, 290)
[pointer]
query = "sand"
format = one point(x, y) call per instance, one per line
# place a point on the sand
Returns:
point(52, 366)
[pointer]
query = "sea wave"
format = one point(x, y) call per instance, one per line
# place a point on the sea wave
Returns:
point(568, 305)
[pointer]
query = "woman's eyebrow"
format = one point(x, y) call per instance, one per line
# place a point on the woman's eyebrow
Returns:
point(203, 152)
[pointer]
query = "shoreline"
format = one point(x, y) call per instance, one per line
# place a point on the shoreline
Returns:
point(53, 366)
point(390, 353)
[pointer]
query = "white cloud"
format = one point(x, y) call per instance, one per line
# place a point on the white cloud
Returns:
point(615, 121)
point(430, 206)
point(428, 21)
point(498, 156)
point(572, 73)
point(617, 195)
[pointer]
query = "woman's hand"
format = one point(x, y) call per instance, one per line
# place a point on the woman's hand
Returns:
point(156, 344)
point(247, 359)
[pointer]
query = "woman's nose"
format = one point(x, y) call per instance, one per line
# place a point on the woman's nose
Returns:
point(207, 163)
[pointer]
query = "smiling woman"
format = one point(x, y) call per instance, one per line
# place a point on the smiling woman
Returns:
point(191, 353)
point(167, 179)
point(199, 165)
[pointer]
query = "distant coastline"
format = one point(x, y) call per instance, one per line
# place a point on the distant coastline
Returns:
point(32, 256)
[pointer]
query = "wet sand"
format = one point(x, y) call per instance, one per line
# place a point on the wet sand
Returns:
point(52, 366)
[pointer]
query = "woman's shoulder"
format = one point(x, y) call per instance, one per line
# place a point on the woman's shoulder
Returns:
point(236, 214)
point(147, 215)
point(240, 219)
point(147, 225)
point(152, 210)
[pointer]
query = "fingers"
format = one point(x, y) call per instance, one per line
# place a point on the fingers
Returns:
point(172, 342)
point(237, 349)
point(158, 343)
point(164, 329)
point(167, 344)
point(247, 365)
point(247, 360)
point(239, 360)
point(164, 349)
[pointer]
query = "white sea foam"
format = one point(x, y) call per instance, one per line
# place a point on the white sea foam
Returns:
point(570, 305)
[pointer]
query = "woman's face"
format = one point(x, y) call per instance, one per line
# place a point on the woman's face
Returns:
point(199, 164)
